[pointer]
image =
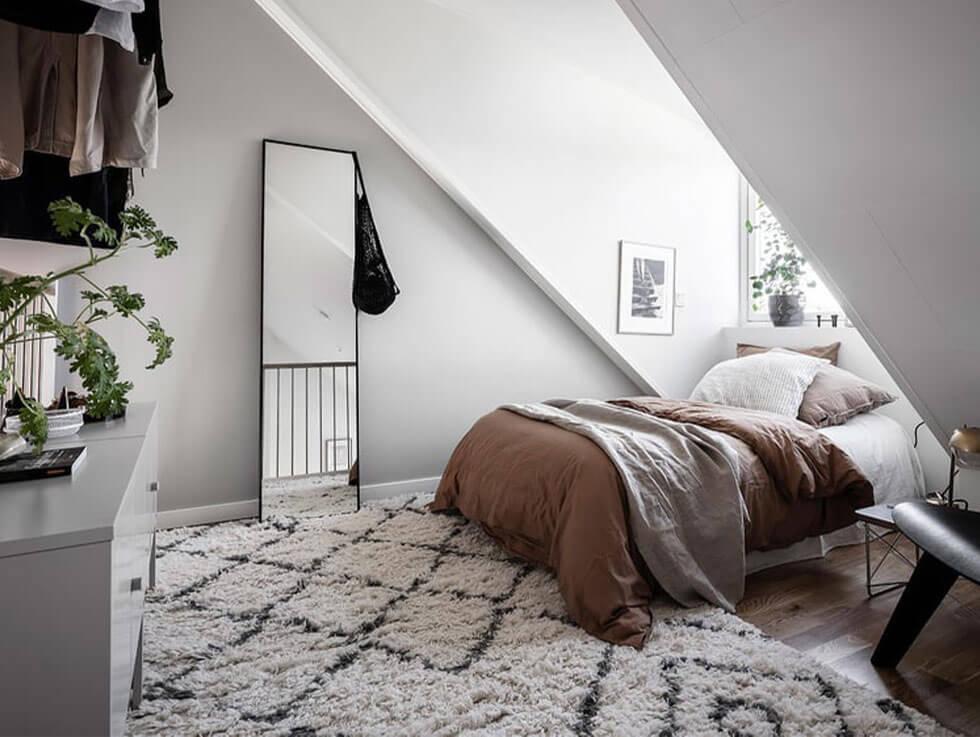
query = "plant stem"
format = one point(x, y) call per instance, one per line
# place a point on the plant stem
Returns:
point(105, 294)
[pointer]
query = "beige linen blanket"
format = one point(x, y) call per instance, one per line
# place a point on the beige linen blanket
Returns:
point(684, 507)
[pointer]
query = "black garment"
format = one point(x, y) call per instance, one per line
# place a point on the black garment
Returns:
point(62, 16)
point(24, 200)
point(374, 286)
point(164, 93)
point(149, 47)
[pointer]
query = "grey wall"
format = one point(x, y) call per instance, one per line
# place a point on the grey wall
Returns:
point(468, 332)
point(857, 121)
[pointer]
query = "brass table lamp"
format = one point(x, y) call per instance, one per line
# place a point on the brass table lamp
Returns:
point(964, 451)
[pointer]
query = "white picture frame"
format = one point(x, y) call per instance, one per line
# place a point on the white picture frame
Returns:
point(647, 277)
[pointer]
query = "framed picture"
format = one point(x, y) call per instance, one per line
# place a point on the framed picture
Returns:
point(646, 288)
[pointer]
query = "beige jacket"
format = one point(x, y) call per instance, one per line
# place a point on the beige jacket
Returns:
point(81, 97)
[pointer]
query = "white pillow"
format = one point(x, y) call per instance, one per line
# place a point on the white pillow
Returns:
point(774, 381)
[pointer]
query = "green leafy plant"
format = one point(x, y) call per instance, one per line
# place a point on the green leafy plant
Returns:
point(88, 354)
point(784, 267)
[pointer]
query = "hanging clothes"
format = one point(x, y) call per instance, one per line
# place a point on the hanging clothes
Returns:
point(81, 83)
point(80, 97)
point(128, 111)
point(40, 92)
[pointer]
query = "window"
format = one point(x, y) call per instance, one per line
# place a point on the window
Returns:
point(766, 230)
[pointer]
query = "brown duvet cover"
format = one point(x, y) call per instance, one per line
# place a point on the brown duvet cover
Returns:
point(553, 497)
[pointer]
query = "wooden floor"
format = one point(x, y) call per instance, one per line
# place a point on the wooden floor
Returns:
point(821, 608)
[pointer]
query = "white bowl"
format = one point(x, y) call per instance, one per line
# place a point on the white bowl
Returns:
point(61, 422)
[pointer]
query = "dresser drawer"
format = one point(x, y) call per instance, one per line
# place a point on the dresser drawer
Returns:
point(131, 551)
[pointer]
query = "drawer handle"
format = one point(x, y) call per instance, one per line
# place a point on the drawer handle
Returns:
point(135, 584)
point(154, 486)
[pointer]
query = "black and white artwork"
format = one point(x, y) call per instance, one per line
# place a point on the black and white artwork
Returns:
point(646, 289)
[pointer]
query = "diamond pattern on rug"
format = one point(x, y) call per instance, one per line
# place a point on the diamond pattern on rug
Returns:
point(395, 565)
point(336, 605)
point(537, 596)
point(229, 541)
point(472, 576)
point(304, 549)
point(232, 591)
point(179, 573)
point(439, 630)
point(393, 621)
point(192, 636)
point(416, 529)
point(256, 677)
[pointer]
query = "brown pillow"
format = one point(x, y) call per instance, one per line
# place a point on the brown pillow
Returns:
point(819, 351)
point(836, 395)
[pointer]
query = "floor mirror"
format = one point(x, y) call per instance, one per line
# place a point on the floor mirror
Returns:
point(309, 333)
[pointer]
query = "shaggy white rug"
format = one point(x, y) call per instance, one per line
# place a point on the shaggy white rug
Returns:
point(392, 621)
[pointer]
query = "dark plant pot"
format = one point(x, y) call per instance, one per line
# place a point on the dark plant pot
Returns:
point(89, 419)
point(785, 310)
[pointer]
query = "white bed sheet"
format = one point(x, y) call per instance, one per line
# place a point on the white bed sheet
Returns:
point(883, 450)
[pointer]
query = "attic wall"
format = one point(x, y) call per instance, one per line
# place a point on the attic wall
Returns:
point(857, 122)
point(545, 122)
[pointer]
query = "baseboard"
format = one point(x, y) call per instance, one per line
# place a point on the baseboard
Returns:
point(373, 492)
point(212, 513)
point(207, 515)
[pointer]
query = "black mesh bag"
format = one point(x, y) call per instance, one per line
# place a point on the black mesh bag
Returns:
point(374, 286)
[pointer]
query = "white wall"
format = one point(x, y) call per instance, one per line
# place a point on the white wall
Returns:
point(468, 332)
point(549, 124)
point(857, 122)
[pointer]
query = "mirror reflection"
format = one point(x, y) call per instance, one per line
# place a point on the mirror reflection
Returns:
point(309, 333)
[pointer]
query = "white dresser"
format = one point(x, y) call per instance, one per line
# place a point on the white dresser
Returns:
point(76, 556)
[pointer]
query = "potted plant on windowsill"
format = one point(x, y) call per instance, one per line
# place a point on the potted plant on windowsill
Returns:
point(781, 277)
point(88, 354)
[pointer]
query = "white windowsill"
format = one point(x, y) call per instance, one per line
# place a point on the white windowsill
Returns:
point(805, 326)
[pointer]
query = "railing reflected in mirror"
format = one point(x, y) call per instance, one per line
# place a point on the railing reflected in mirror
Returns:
point(313, 423)
point(32, 356)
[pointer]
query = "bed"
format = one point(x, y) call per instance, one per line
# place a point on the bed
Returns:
point(562, 497)
point(886, 456)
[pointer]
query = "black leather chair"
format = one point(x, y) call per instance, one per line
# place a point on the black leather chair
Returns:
point(950, 544)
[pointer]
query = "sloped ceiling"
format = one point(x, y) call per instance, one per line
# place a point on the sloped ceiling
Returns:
point(551, 125)
point(859, 123)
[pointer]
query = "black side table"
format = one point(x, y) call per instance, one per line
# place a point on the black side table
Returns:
point(879, 527)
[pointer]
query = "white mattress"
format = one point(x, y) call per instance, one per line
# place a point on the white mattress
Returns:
point(883, 451)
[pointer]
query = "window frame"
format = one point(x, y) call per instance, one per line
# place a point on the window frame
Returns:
point(746, 264)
